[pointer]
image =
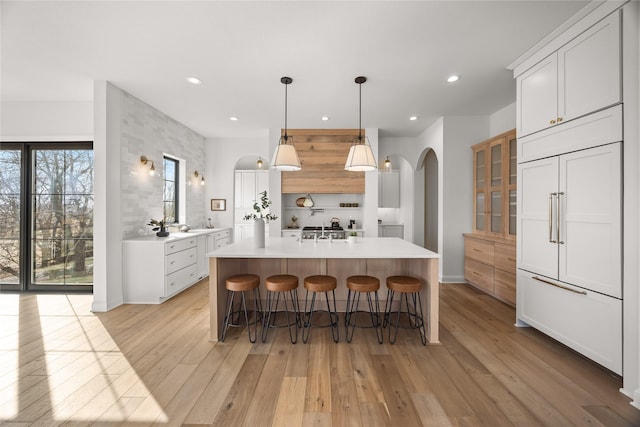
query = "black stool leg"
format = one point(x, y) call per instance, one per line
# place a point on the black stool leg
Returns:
point(333, 316)
point(308, 314)
point(351, 326)
point(375, 316)
point(226, 318)
point(421, 327)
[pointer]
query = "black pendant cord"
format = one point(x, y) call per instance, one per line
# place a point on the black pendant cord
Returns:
point(285, 112)
point(359, 81)
point(286, 81)
point(360, 114)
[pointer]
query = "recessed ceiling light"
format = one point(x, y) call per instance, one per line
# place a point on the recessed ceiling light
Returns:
point(325, 118)
point(453, 78)
point(412, 118)
point(233, 118)
point(194, 80)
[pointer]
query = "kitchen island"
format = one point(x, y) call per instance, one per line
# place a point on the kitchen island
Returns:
point(378, 257)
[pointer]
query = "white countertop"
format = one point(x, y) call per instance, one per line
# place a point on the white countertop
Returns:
point(176, 236)
point(287, 247)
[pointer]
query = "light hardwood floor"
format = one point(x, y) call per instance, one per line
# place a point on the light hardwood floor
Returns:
point(152, 365)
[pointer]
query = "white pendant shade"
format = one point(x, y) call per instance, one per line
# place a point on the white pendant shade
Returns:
point(360, 159)
point(285, 158)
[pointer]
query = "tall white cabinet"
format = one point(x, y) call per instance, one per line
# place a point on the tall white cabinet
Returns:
point(569, 245)
point(581, 77)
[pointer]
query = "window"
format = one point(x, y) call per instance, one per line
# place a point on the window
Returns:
point(46, 208)
point(170, 202)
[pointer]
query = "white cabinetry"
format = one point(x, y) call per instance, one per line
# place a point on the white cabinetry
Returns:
point(389, 190)
point(391, 230)
point(581, 77)
point(569, 247)
point(291, 233)
point(248, 186)
point(156, 268)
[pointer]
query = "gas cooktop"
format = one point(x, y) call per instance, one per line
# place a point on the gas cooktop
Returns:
point(314, 228)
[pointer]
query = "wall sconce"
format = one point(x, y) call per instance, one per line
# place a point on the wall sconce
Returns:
point(259, 163)
point(387, 164)
point(196, 175)
point(145, 161)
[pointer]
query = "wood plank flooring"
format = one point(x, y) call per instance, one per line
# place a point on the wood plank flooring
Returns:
point(143, 365)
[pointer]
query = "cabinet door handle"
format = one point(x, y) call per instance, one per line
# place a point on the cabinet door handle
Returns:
point(477, 250)
point(559, 119)
point(172, 262)
point(552, 122)
point(551, 217)
point(558, 218)
point(566, 288)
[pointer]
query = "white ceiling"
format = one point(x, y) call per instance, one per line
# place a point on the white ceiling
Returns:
point(54, 50)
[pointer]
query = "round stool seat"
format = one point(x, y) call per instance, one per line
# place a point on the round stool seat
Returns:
point(242, 282)
point(281, 283)
point(320, 283)
point(404, 284)
point(363, 283)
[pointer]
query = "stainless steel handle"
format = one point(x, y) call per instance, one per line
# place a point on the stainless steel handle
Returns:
point(551, 217)
point(558, 219)
point(559, 286)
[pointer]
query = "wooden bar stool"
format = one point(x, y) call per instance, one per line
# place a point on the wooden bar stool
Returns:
point(358, 285)
point(281, 284)
point(315, 284)
point(407, 287)
point(242, 283)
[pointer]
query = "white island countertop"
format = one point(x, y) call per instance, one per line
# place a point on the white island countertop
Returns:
point(288, 247)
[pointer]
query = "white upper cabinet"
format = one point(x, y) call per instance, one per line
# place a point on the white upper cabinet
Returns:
point(389, 190)
point(249, 185)
point(581, 77)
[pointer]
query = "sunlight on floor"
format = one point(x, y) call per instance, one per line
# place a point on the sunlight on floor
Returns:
point(59, 363)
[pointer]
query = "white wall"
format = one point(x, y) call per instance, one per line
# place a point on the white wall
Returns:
point(502, 120)
point(460, 133)
point(125, 129)
point(46, 121)
point(221, 157)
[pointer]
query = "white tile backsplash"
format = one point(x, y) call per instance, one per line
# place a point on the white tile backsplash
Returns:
point(145, 131)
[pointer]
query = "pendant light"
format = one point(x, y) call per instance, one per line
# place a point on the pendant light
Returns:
point(360, 156)
point(387, 164)
point(285, 158)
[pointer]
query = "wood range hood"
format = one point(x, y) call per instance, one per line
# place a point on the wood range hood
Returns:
point(323, 153)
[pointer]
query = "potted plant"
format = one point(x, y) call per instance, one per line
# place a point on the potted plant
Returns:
point(261, 214)
point(353, 237)
point(160, 226)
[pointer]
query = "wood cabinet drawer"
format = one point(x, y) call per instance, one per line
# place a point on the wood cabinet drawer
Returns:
point(478, 250)
point(180, 279)
point(180, 245)
point(479, 274)
point(179, 260)
point(505, 257)
point(505, 285)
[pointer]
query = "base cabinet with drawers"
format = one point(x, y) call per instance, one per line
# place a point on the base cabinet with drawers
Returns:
point(490, 264)
point(157, 268)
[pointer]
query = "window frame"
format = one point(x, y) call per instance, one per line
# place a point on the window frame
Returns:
point(176, 186)
point(27, 148)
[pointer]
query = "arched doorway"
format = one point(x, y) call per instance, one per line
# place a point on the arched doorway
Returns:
point(430, 164)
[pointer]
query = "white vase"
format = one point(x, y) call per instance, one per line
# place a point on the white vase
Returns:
point(258, 233)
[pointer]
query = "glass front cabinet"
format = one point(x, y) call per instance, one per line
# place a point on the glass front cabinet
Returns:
point(494, 186)
point(490, 250)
